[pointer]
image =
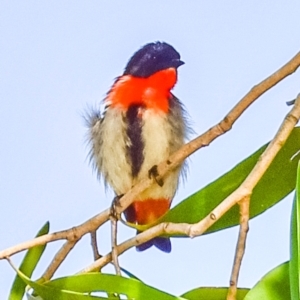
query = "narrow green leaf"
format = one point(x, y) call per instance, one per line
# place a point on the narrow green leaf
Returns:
point(277, 183)
point(50, 293)
point(109, 283)
point(79, 287)
point(295, 242)
point(27, 266)
point(213, 293)
point(274, 285)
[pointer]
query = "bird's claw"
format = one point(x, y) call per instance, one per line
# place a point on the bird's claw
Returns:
point(114, 205)
point(153, 173)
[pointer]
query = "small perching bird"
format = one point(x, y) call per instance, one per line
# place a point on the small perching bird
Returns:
point(143, 124)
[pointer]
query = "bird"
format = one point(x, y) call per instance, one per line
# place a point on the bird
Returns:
point(143, 124)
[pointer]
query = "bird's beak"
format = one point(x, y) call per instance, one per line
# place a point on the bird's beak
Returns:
point(178, 63)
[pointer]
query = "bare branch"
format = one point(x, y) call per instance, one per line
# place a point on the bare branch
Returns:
point(74, 234)
point(252, 179)
point(58, 259)
point(206, 138)
point(243, 192)
point(240, 247)
point(114, 249)
point(94, 245)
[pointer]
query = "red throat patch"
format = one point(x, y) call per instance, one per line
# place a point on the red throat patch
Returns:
point(147, 211)
point(152, 92)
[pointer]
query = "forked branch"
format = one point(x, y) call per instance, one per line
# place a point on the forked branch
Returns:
point(243, 192)
point(91, 225)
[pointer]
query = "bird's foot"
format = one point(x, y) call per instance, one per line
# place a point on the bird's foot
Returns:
point(114, 205)
point(153, 173)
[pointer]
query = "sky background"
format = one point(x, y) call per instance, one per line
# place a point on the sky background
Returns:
point(59, 57)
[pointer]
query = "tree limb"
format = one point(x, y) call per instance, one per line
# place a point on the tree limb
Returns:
point(58, 259)
point(75, 233)
point(244, 191)
point(240, 247)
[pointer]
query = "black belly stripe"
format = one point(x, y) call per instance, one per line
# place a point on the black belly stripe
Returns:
point(134, 132)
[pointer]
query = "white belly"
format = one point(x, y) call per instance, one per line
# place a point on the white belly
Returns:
point(110, 145)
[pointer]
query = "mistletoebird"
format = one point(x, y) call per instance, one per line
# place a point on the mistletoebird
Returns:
point(142, 125)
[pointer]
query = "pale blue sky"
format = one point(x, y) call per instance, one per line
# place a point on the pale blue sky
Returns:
point(57, 57)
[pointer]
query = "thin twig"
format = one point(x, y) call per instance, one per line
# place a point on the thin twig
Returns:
point(242, 192)
point(94, 245)
point(240, 247)
point(58, 259)
point(114, 248)
point(114, 217)
point(74, 233)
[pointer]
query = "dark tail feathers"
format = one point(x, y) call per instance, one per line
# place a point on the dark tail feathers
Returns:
point(163, 244)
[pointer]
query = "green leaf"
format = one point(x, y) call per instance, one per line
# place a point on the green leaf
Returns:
point(213, 293)
point(277, 183)
point(79, 287)
point(295, 242)
point(110, 284)
point(274, 285)
point(50, 293)
point(27, 266)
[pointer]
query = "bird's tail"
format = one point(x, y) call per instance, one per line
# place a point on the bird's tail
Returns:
point(163, 244)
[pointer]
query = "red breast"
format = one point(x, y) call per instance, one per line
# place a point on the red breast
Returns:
point(152, 92)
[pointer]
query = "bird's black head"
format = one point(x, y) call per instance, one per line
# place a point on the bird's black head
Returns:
point(151, 58)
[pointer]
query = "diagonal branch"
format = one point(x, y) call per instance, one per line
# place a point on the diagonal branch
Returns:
point(72, 234)
point(174, 160)
point(244, 191)
point(58, 259)
point(206, 138)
